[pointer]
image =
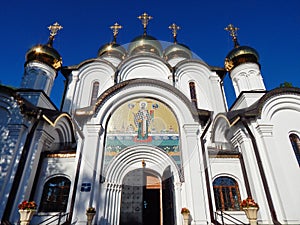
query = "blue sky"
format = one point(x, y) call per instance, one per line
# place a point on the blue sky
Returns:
point(271, 27)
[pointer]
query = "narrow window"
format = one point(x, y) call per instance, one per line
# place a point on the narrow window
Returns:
point(227, 195)
point(95, 92)
point(295, 141)
point(55, 195)
point(193, 93)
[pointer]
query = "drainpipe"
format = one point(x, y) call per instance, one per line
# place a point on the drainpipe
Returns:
point(262, 173)
point(66, 83)
point(244, 172)
point(75, 188)
point(173, 76)
point(205, 163)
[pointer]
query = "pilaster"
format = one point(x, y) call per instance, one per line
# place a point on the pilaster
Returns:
point(194, 200)
point(88, 173)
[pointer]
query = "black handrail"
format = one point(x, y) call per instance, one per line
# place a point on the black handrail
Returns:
point(229, 218)
point(56, 217)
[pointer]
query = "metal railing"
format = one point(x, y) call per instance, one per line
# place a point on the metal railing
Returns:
point(60, 217)
point(225, 216)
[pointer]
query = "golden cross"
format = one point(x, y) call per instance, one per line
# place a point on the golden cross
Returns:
point(174, 29)
point(145, 19)
point(54, 28)
point(233, 33)
point(53, 31)
point(115, 28)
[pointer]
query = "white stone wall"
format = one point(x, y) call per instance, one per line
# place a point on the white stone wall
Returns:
point(279, 119)
point(79, 90)
point(207, 84)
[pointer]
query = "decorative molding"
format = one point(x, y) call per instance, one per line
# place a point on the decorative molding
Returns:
point(191, 129)
point(61, 155)
point(265, 130)
point(94, 130)
point(238, 138)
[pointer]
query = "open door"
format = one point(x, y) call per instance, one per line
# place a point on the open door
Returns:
point(140, 200)
point(168, 198)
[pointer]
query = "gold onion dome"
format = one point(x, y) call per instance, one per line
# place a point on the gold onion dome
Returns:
point(112, 48)
point(176, 49)
point(145, 44)
point(46, 53)
point(240, 54)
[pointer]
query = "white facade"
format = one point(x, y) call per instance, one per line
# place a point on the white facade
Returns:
point(160, 128)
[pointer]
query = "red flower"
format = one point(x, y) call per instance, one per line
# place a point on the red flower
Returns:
point(27, 205)
point(185, 210)
point(248, 202)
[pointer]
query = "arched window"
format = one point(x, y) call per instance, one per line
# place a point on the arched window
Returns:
point(227, 194)
point(193, 93)
point(296, 146)
point(55, 195)
point(95, 91)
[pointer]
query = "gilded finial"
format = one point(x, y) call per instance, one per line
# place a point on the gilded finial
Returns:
point(174, 28)
point(53, 31)
point(143, 163)
point(233, 33)
point(145, 19)
point(115, 28)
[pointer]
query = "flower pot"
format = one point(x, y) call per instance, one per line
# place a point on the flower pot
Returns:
point(90, 217)
point(251, 213)
point(26, 215)
point(186, 216)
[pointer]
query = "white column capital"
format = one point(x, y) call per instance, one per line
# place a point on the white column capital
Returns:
point(74, 76)
point(265, 130)
point(94, 129)
point(191, 129)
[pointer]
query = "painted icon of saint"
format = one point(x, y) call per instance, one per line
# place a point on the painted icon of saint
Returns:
point(142, 120)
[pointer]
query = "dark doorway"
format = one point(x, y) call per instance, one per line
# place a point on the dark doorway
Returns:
point(151, 211)
point(140, 200)
point(167, 197)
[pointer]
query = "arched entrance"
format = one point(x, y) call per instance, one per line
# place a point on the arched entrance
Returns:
point(141, 198)
point(145, 199)
point(139, 174)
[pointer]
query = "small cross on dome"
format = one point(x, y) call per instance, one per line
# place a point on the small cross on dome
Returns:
point(233, 33)
point(174, 29)
point(145, 19)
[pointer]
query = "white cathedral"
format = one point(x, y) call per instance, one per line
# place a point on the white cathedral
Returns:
point(143, 132)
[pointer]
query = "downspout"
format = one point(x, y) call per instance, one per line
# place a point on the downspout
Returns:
point(74, 188)
point(116, 77)
point(244, 172)
point(20, 170)
point(37, 175)
point(78, 167)
point(223, 95)
point(65, 92)
point(262, 173)
point(211, 212)
point(173, 76)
